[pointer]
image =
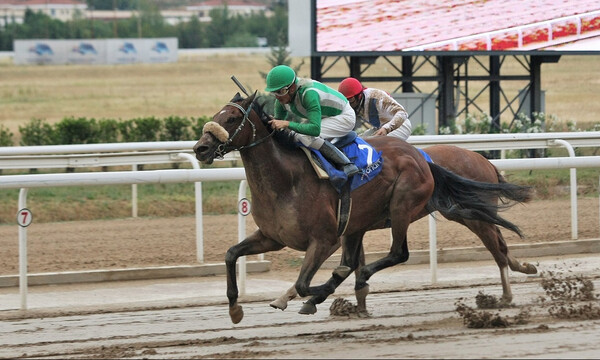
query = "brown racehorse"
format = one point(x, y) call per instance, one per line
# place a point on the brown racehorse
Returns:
point(474, 166)
point(293, 207)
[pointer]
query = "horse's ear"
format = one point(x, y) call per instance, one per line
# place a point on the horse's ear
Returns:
point(237, 97)
point(249, 100)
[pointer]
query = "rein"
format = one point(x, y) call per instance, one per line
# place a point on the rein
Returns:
point(225, 147)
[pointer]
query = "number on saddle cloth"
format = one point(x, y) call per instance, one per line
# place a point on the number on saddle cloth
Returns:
point(363, 155)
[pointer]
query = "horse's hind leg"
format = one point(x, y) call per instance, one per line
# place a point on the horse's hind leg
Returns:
point(361, 294)
point(406, 204)
point(398, 254)
point(282, 301)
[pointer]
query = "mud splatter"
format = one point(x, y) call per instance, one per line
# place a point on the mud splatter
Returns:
point(344, 308)
point(478, 319)
point(485, 301)
point(481, 319)
point(570, 297)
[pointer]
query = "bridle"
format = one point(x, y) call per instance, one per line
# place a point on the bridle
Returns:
point(226, 147)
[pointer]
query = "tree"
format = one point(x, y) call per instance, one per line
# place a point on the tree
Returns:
point(191, 34)
point(280, 55)
point(223, 30)
point(221, 27)
point(243, 39)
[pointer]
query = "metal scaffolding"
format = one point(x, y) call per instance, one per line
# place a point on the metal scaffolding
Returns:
point(459, 82)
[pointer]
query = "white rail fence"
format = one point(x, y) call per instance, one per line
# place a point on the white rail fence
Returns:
point(94, 155)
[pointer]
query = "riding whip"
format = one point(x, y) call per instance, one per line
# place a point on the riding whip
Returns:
point(239, 84)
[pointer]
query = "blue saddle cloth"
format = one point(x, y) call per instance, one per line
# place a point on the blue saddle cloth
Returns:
point(425, 155)
point(363, 155)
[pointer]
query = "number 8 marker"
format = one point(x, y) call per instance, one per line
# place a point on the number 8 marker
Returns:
point(244, 207)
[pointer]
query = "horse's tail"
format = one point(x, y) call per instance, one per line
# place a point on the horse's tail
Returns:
point(459, 198)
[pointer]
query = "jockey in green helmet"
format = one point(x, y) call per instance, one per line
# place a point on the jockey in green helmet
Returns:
point(328, 113)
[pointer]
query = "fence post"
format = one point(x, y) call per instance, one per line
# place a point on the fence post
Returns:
point(134, 196)
point(573, 187)
point(241, 237)
point(433, 248)
point(198, 196)
point(23, 252)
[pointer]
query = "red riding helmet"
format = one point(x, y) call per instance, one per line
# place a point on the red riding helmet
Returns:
point(350, 87)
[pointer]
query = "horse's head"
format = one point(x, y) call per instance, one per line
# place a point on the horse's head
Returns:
point(236, 126)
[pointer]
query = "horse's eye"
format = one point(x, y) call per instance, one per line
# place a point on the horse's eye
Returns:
point(231, 120)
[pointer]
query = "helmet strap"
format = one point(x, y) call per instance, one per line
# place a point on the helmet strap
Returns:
point(361, 100)
point(293, 89)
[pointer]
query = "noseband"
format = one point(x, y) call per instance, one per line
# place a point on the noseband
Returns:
point(226, 147)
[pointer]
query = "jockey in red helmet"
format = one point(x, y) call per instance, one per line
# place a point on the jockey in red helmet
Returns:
point(376, 109)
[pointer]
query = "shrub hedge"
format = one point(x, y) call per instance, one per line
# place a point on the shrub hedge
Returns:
point(71, 130)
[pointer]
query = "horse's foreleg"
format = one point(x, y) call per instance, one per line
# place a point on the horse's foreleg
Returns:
point(492, 238)
point(256, 243)
point(515, 265)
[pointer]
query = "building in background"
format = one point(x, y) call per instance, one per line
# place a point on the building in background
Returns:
point(65, 10)
point(235, 7)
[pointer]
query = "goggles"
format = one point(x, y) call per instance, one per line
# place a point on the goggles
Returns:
point(284, 90)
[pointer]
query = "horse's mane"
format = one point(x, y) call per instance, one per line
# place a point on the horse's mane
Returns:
point(284, 138)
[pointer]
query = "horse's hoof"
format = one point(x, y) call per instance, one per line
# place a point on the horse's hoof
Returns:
point(342, 271)
point(505, 302)
point(236, 313)
point(530, 268)
point(308, 309)
point(363, 314)
point(279, 304)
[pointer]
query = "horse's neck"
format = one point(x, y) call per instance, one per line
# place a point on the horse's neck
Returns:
point(271, 164)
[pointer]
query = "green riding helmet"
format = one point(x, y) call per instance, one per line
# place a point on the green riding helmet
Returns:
point(280, 76)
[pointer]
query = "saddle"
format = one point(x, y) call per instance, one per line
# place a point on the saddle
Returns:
point(366, 158)
point(361, 153)
point(316, 162)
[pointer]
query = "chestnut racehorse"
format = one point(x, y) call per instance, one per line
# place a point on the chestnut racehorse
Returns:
point(474, 166)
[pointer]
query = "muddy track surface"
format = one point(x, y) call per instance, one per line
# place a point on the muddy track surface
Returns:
point(412, 324)
point(421, 323)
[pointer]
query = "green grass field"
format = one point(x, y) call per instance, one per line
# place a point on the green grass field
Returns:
point(201, 85)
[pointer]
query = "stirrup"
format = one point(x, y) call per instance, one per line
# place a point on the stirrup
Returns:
point(350, 169)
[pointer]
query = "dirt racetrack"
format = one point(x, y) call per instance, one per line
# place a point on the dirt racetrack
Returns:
point(414, 323)
point(143, 242)
point(404, 323)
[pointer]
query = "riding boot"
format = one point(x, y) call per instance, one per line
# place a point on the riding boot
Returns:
point(338, 158)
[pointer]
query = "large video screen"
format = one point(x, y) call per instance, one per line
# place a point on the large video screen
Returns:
point(347, 27)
